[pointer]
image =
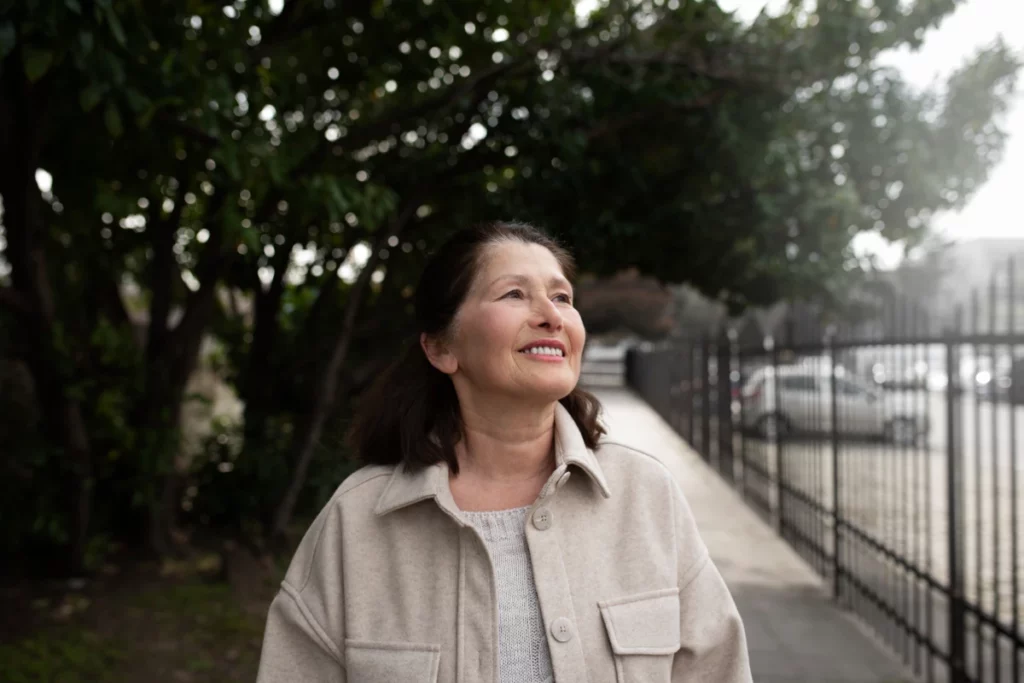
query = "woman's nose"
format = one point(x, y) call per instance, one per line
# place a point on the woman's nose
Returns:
point(548, 316)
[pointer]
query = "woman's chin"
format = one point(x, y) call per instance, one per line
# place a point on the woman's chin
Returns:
point(551, 389)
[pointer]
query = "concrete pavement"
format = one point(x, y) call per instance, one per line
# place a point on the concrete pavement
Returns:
point(794, 631)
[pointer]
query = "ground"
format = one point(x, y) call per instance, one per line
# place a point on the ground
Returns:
point(188, 620)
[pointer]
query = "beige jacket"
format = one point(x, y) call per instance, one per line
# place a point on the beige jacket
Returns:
point(389, 585)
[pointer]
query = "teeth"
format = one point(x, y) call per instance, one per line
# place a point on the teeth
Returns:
point(545, 351)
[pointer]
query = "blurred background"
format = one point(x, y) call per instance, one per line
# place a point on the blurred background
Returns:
point(213, 216)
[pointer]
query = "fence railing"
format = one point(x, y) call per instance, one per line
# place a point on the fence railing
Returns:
point(891, 463)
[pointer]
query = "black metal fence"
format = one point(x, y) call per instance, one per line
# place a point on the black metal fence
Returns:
point(889, 460)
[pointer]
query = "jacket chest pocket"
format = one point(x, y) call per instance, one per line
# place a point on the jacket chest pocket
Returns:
point(643, 630)
point(388, 662)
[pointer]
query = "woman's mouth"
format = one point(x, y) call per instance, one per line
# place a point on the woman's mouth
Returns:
point(544, 352)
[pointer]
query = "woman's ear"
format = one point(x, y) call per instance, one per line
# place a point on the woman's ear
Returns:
point(438, 354)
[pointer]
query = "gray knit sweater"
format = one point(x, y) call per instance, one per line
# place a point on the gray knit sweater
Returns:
point(523, 655)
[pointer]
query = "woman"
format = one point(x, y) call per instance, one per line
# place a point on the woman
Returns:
point(496, 536)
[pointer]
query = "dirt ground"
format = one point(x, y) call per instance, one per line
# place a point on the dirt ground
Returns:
point(195, 619)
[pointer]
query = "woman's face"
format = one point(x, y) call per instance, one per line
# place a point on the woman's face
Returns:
point(517, 333)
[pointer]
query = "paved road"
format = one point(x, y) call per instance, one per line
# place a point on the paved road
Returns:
point(795, 632)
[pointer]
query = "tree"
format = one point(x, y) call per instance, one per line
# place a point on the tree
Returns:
point(307, 160)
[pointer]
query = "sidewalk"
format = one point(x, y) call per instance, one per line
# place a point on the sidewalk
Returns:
point(794, 631)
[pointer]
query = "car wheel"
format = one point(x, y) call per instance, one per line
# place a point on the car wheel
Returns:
point(901, 431)
point(773, 426)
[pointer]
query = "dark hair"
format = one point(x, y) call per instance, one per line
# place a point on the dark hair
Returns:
point(411, 413)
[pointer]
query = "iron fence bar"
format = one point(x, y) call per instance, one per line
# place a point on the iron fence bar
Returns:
point(929, 597)
point(925, 639)
point(802, 496)
point(705, 400)
point(690, 393)
point(978, 538)
point(959, 338)
point(817, 470)
point(887, 465)
point(904, 452)
point(880, 490)
point(725, 460)
point(776, 434)
point(921, 443)
point(994, 440)
point(741, 420)
point(954, 485)
point(889, 492)
point(1011, 302)
point(807, 540)
point(837, 563)
point(877, 546)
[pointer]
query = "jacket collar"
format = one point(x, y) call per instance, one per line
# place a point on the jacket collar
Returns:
point(407, 487)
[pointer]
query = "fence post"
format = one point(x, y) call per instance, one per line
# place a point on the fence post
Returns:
point(777, 409)
point(837, 566)
point(741, 418)
point(954, 494)
point(690, 393)
point(725, 455)
point(705, 398)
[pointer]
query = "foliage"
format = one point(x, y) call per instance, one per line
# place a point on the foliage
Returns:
point(233, 170)
point(66, 655)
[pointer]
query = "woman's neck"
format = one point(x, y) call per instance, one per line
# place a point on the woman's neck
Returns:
point(507, 447)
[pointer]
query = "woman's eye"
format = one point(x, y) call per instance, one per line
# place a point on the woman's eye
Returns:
point(514, 294)
point(564, 298)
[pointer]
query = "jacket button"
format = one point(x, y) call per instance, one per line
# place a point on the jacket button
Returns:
point(563, 480)
point(561, 629)
point(542, 519)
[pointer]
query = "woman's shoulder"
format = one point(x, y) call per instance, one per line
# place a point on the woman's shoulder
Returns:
point(365, 484)
point(622, 459)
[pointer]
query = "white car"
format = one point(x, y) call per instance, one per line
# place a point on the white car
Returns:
point(804, 399)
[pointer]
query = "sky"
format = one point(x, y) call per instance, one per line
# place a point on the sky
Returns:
point(994, 210)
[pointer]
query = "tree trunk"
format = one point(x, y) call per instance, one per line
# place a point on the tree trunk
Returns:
point(258, 386)
point(172, 357)
point(307, 436)
point(22, 133)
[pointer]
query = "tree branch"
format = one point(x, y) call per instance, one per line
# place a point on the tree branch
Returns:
point(164, 267)
point(214, 258)
point(613, 126)
point(307, 435)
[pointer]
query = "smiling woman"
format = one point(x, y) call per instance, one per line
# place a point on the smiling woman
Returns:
point(490, 293)
point(465, 550)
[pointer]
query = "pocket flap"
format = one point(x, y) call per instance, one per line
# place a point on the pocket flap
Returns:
point(389, 662)
point(643, 624)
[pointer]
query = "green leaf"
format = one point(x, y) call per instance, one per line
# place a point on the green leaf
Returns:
point(251, 239)
point(115, 25)
point(7, 39)
point(336, 194)
point(37, 63)
point(112, 119)
point(273, 167)
point(90, 96)
point(74, 6)
point(85, 39)
point(136, 100)
point(229, 159)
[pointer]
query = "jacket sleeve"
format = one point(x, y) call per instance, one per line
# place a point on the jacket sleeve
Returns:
point(304, 635)
point(714, 644)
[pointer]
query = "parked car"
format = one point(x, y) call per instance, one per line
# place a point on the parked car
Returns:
point(803, 403)
point(996, 381)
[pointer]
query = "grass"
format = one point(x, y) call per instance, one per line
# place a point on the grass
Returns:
point(67, 655)
point(144, 626)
